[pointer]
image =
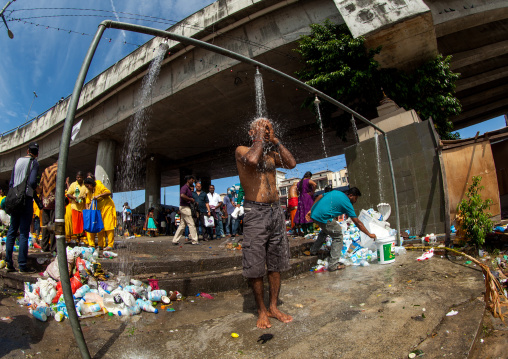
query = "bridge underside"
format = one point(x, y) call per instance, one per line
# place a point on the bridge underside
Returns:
point(480, 55)
point(196, 129)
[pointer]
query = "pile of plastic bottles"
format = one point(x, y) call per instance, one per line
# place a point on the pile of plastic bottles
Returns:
point(352, 252)
point(92, 297)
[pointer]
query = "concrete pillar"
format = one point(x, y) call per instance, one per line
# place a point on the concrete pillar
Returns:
point(205, 183)
point(105, 163)
point(153, 182)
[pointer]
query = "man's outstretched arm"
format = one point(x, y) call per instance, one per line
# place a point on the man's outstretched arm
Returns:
point(362, 228)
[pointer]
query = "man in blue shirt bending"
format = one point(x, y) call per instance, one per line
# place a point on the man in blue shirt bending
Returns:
point(326, 208)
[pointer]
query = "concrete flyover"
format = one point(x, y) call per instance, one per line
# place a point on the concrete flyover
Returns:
point(202, 101)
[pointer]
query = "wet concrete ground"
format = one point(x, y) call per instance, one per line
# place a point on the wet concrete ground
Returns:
point(380, 311)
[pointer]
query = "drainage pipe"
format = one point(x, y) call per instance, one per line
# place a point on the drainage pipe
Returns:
point(66, 136)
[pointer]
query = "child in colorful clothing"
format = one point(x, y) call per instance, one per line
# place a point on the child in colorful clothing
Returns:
point(151, 223)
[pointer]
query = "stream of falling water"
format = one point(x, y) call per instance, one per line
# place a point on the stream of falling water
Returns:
point(353, 123)
point(320, 122)
point(260, 95)
point(378, 167)
point(134, 149)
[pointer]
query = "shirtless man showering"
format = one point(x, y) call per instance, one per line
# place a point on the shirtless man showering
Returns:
point(265, 245)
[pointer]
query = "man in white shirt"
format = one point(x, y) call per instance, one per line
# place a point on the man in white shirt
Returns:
point(214, 202)
point(127, 217)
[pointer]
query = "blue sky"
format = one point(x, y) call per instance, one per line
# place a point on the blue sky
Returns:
point(51, 38)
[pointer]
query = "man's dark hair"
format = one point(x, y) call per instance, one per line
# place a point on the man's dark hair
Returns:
point(328, 189)
point(80, 173)
point(353, 191)
point(33, 148)
point(90, 181)
point(188, 177)
point(90, 174)
point(307, 174)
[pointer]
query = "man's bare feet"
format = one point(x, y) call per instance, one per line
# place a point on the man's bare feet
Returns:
point(263, 321)
point(277, 314)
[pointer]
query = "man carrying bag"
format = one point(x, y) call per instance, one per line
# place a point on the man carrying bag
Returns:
point(19, 204)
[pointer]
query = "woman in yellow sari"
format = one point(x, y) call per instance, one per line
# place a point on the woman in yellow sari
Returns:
point(97, 191)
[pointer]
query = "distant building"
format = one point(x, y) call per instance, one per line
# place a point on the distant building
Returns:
point(324, 178)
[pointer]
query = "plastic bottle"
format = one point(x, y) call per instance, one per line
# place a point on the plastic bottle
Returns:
point(81, 308)
point(127, 298)
point(108, 254)
point(80, 292)
point(44, 310)
point(129, 311)
point(156, 295)
point(59, 316)
point(93, 298)
point(76, 194)
point(39, 315)
point(94, 308)
point(136, 282)
point(146, 306)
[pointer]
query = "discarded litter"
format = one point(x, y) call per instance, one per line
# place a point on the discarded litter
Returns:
point(95, 291)
point(234, 335)
point(452, 313)
point(427, 255)
point(416, 353)
point(206, 295)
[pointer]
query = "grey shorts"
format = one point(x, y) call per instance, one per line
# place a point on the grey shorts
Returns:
point(265, 245)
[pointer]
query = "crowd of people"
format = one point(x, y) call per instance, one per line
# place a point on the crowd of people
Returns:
point(253, 210)
point(38, 213)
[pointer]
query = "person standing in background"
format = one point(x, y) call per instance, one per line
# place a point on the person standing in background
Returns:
point(48, 184)
point(26, 168)
point(306, 188)
point(77, 193)
point(97, 191)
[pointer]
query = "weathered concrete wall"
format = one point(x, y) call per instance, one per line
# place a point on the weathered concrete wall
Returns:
point(364, 17)
point(389, 122)
point(417, 175)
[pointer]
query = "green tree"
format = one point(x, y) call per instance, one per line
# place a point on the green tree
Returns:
point(474, 221)
point(339, 65)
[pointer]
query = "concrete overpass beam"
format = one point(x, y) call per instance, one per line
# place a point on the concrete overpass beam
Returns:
point(153, 182)
point(105, 163)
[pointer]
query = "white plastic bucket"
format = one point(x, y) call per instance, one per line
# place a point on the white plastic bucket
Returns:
point(385, 249)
